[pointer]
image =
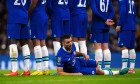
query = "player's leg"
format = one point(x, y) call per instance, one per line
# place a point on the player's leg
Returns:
point(75, 40)
point(132, 60)
point(56, 44)
point(108, 72)
point(36, 33)
point(13, 33)
point(45, 57)
point(98, 54)
point(25, 48)
point(57, 32)
point(45, 54)
point(132, 53)
point(75, 29)
point(107, 55)
point(82, 45)
point(38, 57)
point(124, 43)
point(82, 39)
point(26, 56)
point(96, 39)
point(106, 51)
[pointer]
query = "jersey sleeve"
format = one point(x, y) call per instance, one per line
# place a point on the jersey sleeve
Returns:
point(60, 62)
point(95, 11)
point(111, 10)
point(122, 11)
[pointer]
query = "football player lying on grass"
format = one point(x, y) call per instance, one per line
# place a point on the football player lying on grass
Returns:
point(70, 62)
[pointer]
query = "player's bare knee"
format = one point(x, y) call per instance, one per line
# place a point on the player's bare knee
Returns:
point(23, 42)
point(56, 39)
point(97, 46)
point(123, 48)
point(96, 63)
point(75, 39)
point(12, 41)
point(105, 46)
point(43, 43)
point(36, 42)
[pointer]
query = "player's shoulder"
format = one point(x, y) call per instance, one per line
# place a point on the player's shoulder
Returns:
point(60, 52)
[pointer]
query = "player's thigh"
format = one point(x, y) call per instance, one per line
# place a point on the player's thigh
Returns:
point(124, 38)
point(76, 25)
point(13, 31)
point(57, 27)
point(84, 26)
point(88, 71)
point(132, 43)
point(96, 36)
point(25, 34)
point(89, 63)
point(105, 36)
point(39, 29)
point(66, 27)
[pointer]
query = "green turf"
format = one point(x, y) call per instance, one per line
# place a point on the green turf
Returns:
point(54, 79)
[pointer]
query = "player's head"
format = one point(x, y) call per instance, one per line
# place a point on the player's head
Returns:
point(66, 41)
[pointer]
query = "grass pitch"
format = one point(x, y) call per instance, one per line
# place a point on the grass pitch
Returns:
point(85, 79)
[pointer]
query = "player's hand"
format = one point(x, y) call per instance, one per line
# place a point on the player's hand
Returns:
point(79, 74)
point(118, 28)
point(86, 57)
point(109, 22)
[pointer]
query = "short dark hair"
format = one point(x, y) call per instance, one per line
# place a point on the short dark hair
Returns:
point(66, 36)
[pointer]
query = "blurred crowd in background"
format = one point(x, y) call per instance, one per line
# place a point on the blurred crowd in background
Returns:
point(113, 38)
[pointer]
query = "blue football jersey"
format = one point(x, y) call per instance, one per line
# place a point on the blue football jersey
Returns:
point(39, 12)
point(78, 7)
point(67, 60)
point(59, 9)
point(127, 14)
point(101, 11)
point(18, 11)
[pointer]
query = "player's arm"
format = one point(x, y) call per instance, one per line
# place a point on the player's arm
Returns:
point(122, 12)
point(60, 72)
point(32, 7)
point(78, 54)
point(111, 10)
point(49, 7)
point(95, 11)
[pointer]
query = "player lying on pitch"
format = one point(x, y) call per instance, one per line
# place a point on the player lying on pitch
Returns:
point(69, 64)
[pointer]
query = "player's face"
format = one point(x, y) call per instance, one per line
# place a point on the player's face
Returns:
point(68, 44)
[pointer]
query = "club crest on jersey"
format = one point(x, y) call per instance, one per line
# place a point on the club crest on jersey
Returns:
point(59, 59)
